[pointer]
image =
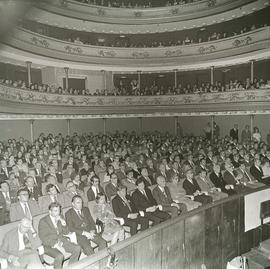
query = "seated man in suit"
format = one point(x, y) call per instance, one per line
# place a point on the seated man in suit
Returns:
point(246, 178)
point(232, 179)
point(72, 191)
point(144, 201)
point(54, 234)
point(112, 187)
point(21, 247)
point(5, 202)
point(217, 179)
point(52, 196)
point(37, 180)
point(51, 179)
point(94, 189)
point(257, 172)
point(122, 209)
point(129, 182)
point(80, 221)
point(24, 208)
point(34, 192)
point(147, 179)
point(193, 189)
point(207, 186)
point(162, 195)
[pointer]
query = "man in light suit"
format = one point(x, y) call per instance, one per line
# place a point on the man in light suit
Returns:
point(80, 221)
point(33, 189)
point(161, 194)
point(24, 207)
point(54, 234)
point(53, 196)
point(71, 192)
point(21, 247)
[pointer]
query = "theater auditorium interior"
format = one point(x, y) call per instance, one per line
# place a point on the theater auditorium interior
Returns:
point(134, 134)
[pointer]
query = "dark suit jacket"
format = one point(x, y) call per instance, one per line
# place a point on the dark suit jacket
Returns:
point(191, 188)
point(146, 182)
point(35, 194)
point(110, 190)
point(229, 178)
point(48, 233)
point(256, 173)
point(218, 181)
point(10, 245)
point(3, 175)
point(161, 199)
point(141, 202)
point(91, 195)
point(234, 134)
point(78, 225)
point(120, 209)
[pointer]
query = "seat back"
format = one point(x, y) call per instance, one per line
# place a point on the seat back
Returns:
point(265, 210)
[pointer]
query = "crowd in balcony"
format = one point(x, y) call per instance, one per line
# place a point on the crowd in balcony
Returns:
point(142, 41)
point(138, 3)
point(120, 180)
point(133, 88)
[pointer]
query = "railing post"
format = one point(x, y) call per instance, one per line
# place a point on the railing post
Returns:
point(104, 126)
point(212, 75)
point(252, 71)
point(66, 76)
point(212, 127)
point(29, 79)
point(32, 130)
point(68, 126)
point(251, 125)
point(139, 79)
point(140, 125)
point(175, 78)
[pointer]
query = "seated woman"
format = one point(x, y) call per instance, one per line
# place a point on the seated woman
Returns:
point(207, 186)
point(193, 189)
point(179, 194)
point(113, 231)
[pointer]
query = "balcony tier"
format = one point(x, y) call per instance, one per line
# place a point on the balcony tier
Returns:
point(19, 101)
point(251, 43)
point(118, 26)
point(105, 14)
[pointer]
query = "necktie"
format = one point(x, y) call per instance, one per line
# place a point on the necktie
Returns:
point(26, 241)
point(144, 193)
point(247, 175)
point(27, 212)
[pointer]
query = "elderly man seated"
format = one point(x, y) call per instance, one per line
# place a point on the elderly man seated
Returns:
point(21, 247)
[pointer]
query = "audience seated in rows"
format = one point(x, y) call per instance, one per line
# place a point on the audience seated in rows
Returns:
point(117, 181)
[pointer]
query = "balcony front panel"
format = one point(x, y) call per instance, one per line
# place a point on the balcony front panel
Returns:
point(16, 100)
point(254, 41)
point(103, 14)
point(70, 22)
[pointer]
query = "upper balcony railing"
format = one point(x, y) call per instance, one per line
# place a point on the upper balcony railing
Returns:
point(65, 18)
point(17, 100)
point(139, 15)
point(252, 42)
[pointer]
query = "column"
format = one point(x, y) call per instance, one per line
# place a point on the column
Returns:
point(104, 126)
point(104, 79)
point(32, 130)
point(212, 127)
point(68, 126)
point(66, 76)
point(175, 77)
point(140, 125)
point(251, 125)
point(252, 71)
point(28, 65)
point(175, 125)
point(139, 79)
point(212, 75)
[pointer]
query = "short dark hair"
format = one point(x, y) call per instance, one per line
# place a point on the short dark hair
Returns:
point(53, 205)
point(76, 197)
point(49, 186)
point(139, 181)
point(21, 190)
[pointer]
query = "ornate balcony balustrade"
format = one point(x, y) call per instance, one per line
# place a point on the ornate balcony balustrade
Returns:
point(252, 42)
point(53, 15)
point(19, 100)
point(199, 8)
